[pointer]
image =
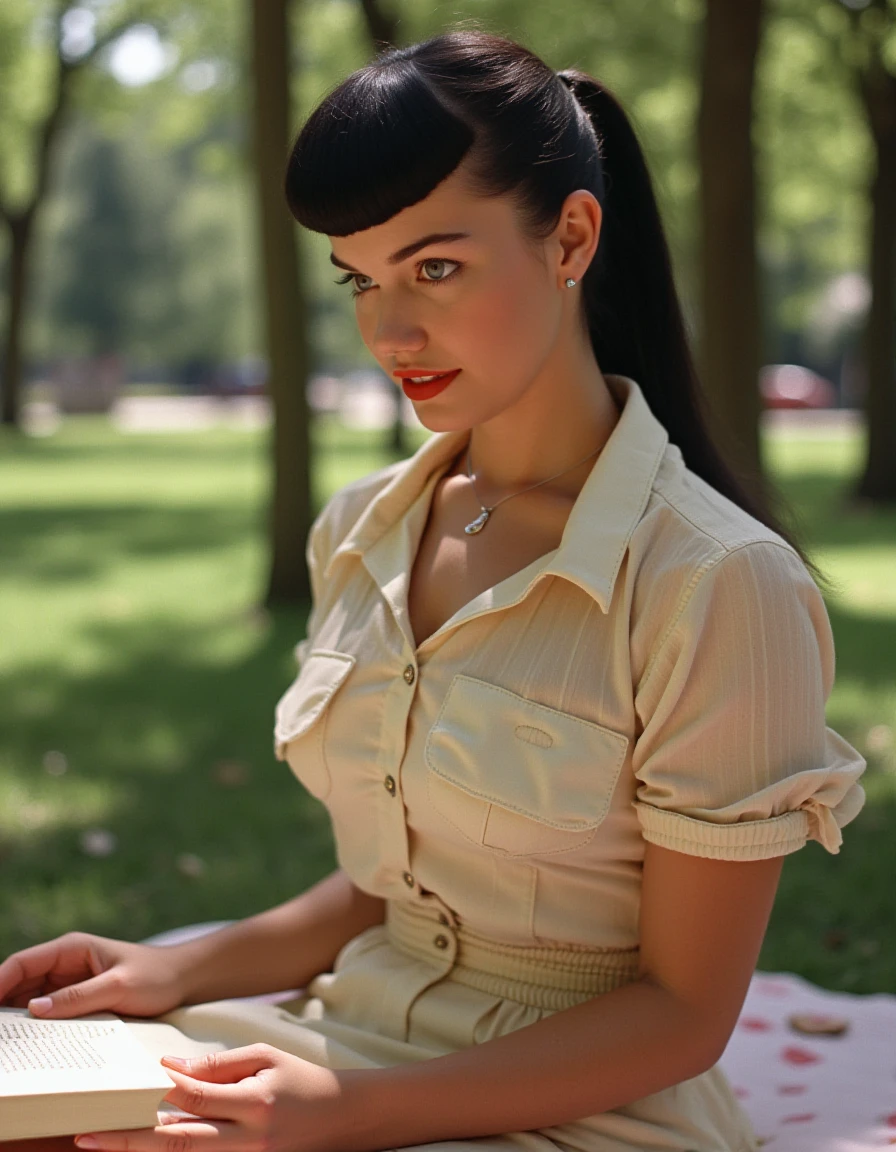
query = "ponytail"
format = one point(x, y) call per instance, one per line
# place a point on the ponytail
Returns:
point(631, 304)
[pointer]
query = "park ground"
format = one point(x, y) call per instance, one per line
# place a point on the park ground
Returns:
point(138, 789)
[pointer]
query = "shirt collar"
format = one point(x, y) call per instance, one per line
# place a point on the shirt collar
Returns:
point(603, 517)
point(613, 498)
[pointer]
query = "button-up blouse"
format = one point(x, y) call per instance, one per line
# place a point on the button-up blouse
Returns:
point(660, 676)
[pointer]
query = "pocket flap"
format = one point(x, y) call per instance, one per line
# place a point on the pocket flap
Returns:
point(304, 701)
point(537, 761)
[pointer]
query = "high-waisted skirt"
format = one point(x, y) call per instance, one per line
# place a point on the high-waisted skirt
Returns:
point(421, 986)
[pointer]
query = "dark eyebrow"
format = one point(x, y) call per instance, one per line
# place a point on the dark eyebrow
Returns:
point(409, 249)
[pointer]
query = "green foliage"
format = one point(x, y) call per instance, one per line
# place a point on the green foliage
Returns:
point(26, 70)
point(184, 153)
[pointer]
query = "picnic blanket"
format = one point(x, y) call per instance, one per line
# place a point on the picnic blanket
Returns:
point(808, 1092)
point(814, 1070)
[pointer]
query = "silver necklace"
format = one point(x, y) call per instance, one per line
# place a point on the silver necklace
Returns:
point(482, 519)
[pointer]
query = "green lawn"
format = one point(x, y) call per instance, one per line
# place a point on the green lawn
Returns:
point(137, 684)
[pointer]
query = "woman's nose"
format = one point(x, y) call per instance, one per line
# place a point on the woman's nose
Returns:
point(394, 330)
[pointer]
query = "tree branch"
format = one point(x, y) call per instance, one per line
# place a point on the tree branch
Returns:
point(65, 70)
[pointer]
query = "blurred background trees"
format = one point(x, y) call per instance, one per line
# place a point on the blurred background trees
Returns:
point(129, 194)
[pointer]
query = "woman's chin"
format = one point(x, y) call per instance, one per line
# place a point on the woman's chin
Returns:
point(434, 421)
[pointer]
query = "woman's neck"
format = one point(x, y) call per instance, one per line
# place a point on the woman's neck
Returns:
point(567, 413)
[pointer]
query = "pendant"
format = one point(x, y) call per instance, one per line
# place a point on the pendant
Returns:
point(479, 523)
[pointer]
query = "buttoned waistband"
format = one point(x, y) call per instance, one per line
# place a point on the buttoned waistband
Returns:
point(551, 977)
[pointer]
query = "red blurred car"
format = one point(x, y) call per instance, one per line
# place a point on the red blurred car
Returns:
point(792, 386)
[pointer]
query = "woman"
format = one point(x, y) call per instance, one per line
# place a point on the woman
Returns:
point(563, 689)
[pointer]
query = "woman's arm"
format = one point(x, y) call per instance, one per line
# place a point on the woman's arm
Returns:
point(278, 949)
point(702, 924)
point(281, 948)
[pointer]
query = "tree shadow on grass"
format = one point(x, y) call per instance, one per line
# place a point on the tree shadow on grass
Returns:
point(866, 646)
point(80, 541)
point(834, 919)
point(821, 509)
point(156, 732)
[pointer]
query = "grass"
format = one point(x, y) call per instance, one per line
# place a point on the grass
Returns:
point(138, 680)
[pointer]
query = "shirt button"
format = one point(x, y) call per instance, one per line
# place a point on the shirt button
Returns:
point(441, 942)
point(389, 785)
point(408, 879)
point(410, 674)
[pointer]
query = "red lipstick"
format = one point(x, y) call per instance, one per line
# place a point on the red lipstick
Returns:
point(427, 390)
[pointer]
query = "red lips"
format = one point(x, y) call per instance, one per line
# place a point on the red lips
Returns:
point(430, 388)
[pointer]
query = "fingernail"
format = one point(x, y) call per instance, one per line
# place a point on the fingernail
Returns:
point(176, 1060)
point(39, 1005)
point(87, 1142)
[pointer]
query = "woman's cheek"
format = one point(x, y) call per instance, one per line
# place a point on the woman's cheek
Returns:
point(507, 324)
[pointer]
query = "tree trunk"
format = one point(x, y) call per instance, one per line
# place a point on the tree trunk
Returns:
point(878, 482)
point(284, 306)
point(20, 231)
point(730, 336)
point(382, 25)
point(382, 31)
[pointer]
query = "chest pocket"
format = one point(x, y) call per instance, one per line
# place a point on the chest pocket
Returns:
point(517, 777)
point(300, 717)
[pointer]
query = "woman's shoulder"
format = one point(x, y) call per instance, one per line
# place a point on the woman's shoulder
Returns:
point(345, 508)
point(690, 535)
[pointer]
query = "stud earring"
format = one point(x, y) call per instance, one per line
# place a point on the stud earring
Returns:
point(570, 283)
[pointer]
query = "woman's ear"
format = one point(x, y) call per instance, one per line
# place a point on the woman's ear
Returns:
point(576, 235)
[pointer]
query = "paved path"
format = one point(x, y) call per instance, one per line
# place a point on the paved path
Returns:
point(360, 408)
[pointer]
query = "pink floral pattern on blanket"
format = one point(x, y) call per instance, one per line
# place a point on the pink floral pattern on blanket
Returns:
point(815, 1070)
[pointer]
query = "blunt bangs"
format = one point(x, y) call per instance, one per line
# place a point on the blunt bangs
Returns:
point(379, 143)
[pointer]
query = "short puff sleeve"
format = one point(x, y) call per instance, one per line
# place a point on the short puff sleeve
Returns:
point(734, 760)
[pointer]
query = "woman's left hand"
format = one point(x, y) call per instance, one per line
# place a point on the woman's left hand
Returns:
point(243, 1099)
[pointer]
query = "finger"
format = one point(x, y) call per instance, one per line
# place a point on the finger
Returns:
point(184, 1136)
point(57, 962)
point(207, 1100)
point(227, 1067)
point(75, 1000)
point(24, 970)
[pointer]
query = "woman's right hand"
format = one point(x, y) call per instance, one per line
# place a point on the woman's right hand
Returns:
point(76, 974)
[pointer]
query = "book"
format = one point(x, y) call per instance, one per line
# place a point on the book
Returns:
point(91, 1074)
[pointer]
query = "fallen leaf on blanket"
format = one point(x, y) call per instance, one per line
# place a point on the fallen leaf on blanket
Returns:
point(754, 1024)
point(792, 1089)
point(811, 1024)
point(799, 1118)
point(800, 1056)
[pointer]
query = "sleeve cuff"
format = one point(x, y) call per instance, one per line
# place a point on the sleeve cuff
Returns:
point(748, 839)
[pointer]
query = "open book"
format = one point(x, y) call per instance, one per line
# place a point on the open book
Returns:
point(92, 1074)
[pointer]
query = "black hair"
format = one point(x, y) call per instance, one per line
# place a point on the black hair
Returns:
point(392, 131)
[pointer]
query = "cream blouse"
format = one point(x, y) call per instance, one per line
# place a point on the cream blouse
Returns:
point(661, 675)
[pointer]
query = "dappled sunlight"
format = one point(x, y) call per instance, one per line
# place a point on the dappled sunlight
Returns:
point(31, 808)
point(138, 786)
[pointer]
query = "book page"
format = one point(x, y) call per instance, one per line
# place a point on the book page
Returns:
point(47, 1056)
